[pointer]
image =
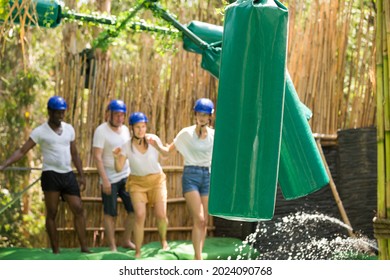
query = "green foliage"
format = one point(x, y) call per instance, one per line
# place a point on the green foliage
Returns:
point(221, 10)
point(17, 95)
point(18, 229)
point(3, 9)
point(129, 23)
point(24, 87)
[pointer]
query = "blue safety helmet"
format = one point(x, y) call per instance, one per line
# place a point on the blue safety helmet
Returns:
point(204, 105)
point(137, 117)
point(117, 106)
point(56, 103)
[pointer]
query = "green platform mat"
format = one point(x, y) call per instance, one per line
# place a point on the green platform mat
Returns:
point(218, 248)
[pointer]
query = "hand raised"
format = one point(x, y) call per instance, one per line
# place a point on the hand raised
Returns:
point(152, 141)
point(117, 151)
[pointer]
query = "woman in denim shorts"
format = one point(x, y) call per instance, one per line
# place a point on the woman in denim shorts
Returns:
point(195, 144)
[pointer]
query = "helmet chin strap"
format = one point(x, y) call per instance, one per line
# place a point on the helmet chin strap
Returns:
point(206, 124)
point(202, 126)
point(137, 138)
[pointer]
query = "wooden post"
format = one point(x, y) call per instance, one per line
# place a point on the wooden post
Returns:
point(335, 192)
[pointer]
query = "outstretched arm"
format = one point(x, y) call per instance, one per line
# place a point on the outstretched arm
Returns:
point(163, 150)
point(18, 154)
point(78, 164)
point(167, 149)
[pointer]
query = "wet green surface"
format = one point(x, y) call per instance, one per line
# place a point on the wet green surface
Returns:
point(215, 249)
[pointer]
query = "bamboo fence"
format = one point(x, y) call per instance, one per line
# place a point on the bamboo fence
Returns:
point(382, 220)
point(330, 59)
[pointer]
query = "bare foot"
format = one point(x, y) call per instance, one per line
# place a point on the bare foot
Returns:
point(113, 249)
point(137, 255)
point(165, 245)
point(85, 250)
point(129, 245)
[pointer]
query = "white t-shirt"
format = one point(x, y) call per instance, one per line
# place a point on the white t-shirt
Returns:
point(55, 148)
point(143, 164)
point(107, 139)
point(196, 151)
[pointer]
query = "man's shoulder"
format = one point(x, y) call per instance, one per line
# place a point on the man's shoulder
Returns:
point(101, 126)
point(67, 126)
point(101, 129)
point(125, 128)
point(40, 127)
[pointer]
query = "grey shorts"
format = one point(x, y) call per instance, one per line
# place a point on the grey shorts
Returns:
point(110, 202)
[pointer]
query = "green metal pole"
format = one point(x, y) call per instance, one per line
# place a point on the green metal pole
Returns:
point(88, 18)
point(102, 41)
point(113, 21)
point(168, 17)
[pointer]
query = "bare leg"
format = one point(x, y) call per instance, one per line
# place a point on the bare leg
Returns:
point(109, 229)
point(160, 211)
point(51, 202)
point(195, 207)
point(205, 204)
point(76, 207)
point(140, 214)
point(129, 228)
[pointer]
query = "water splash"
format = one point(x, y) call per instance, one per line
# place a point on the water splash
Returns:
point(305, 236)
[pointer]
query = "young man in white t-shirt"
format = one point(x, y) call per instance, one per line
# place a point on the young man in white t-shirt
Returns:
point(58, 146)
point(107, 136)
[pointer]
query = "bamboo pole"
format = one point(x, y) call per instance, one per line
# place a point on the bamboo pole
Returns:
point(386, 104)
point(382, 244)
point(335, 193)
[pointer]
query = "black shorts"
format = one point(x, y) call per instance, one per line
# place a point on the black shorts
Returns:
point(64, 183)
point(110, 202)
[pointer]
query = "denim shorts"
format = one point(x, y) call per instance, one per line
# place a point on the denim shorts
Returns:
point(196, 178)
point(110, 202)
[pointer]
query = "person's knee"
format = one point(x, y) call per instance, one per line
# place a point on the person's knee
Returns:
point(140, 216)
point(51, 214)
point(78, 211)
point(200, 222)
point(161, 215)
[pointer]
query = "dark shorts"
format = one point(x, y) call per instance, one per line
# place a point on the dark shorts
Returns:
point(110, 202)
point(196, 178)
point(64, 183)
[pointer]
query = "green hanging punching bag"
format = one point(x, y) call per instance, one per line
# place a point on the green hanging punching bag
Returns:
point(249, 114)
point(301, 170)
